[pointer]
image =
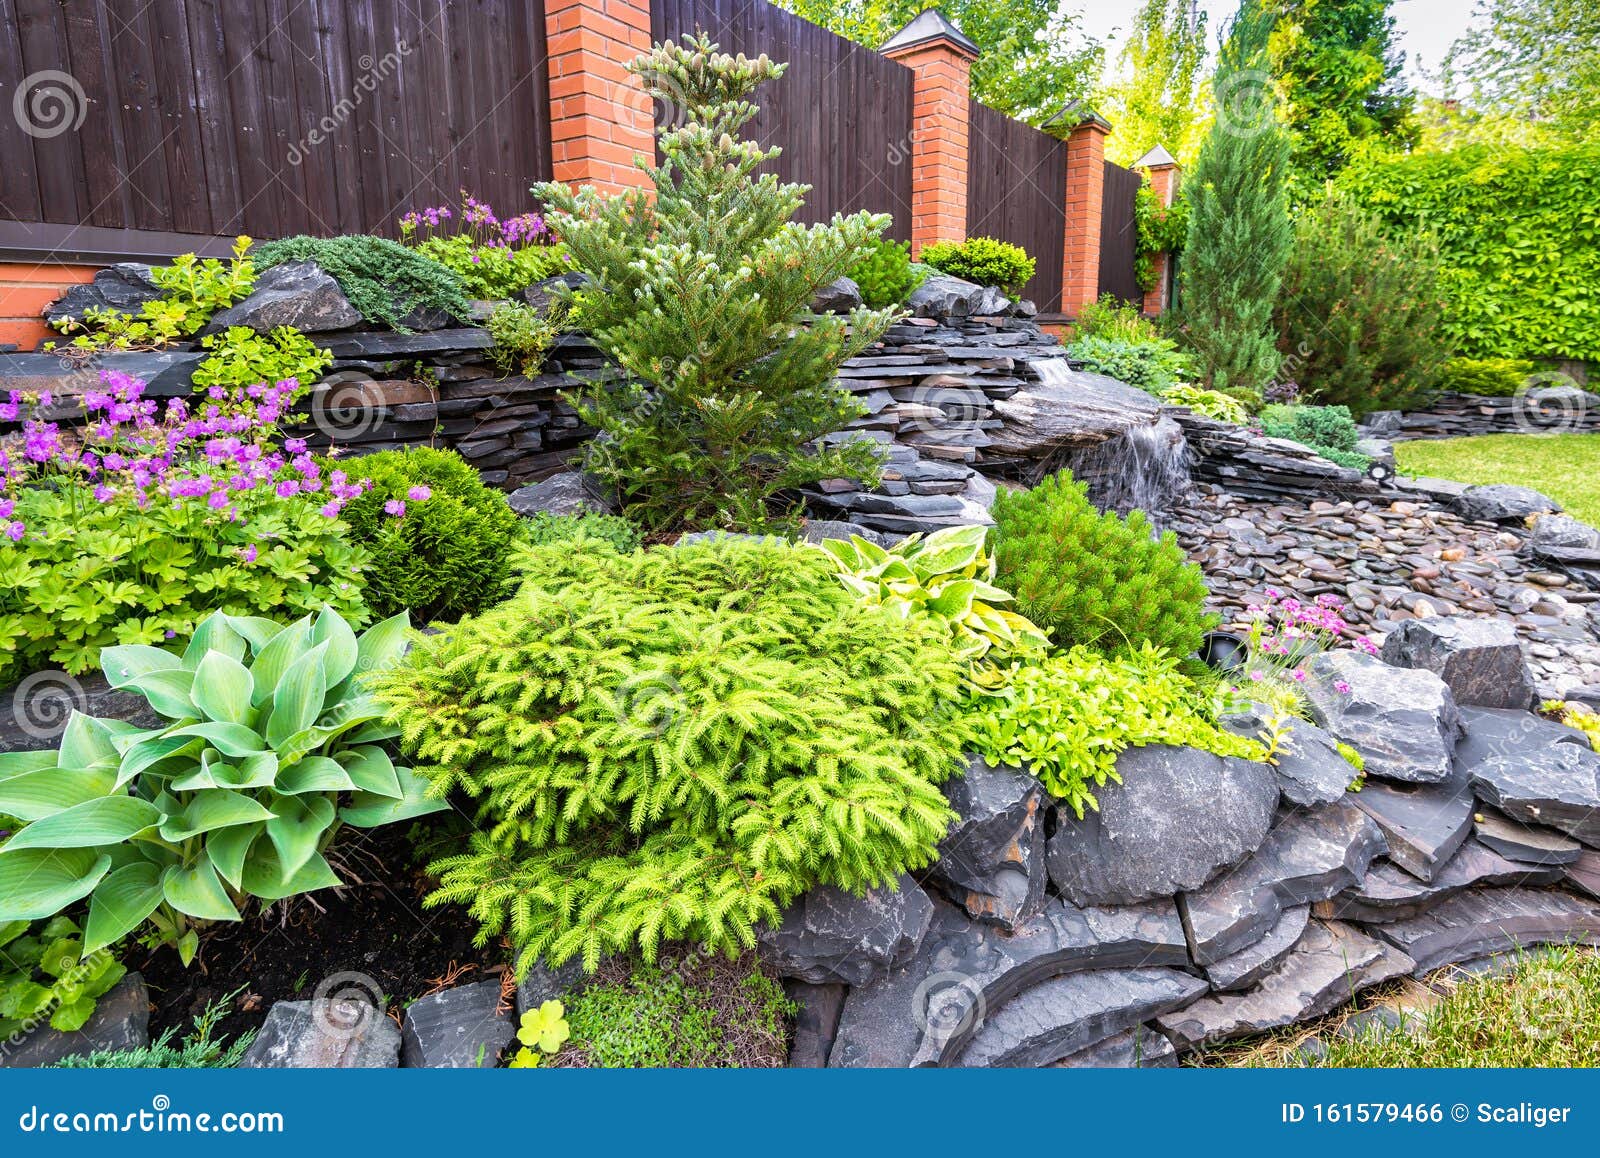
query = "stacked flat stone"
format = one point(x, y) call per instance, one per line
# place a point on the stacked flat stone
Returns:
point(1567, 409)
point(1247, 463)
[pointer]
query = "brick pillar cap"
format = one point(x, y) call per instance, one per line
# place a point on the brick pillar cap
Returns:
point(1076, 115)
point(929, 27)
point(1157, 158)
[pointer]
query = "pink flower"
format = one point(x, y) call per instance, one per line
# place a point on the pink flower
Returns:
point(249, 554)
point(419, 494)
point(330, 510)
point(395, 507)
point(1341, 687)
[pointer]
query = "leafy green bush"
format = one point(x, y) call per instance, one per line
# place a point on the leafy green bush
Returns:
point(1110, 317)
point(676, 743)
point(197, 1050)
point(885, 275)
point(522, 337)
point(982, 261)
point(45, 975)
point(1158, 229)
point(1152, 364)
point(241, 358)
point(1487, 377)
point(1068, 717)
point(438, 538)
point(1096, 579)
point(236, 795)
point(1359, 318)
point(611, 530)
point(1207, 403)
point(1328, 430)
point(1518, 238)
point(383, 279)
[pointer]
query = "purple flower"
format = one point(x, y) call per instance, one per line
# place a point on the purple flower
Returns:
point(418, 494)
point(330, 510)
point(249, 553)
point(15, 531)
point(395, 507)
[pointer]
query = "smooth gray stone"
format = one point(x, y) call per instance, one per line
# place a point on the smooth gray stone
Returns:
point(1501, 503)
point(817, 1022)
point(1250, 964)
point(910, 506)
point(1483, 922)
point(165, 373)
point(1480, 659)
point(568, 493)
point(1179, 817)
point(1310, 769)
point(925, 1011)
point(1331, 964)
point(1557, 785)
point(1065, 1015)
point(839, 296)
point(1390, 894)
point(325, 1033)
point(391, 343)
point(1140, 1048)
point(297, 294)
point(1423, 823)
point(1073, 408)
point(120, 1021)
point(991, 862)
point(542, 294)
point(819, 530)
point(1525, 844)
point(1310, 855)
point(125, 287)
point(831, 935)
point(1403, 721)
point(460, 1028)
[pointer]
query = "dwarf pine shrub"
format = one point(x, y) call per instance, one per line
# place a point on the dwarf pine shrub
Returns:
point(675, 743)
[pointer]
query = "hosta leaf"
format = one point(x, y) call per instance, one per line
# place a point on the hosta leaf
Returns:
point(264, 876)
point(297, 828)
point(297, 702)
point(168, 692)
point(227, 849)
point(342, 649)
point(314, 774)
point(104, 820)
point(276, 657)
point(212, 809)
point(16, 763)
point(954, 599)
point(374, 732)
point(369, 810)
point(132, 660)
point(222, 689)
point(148, 753)
point(121, 903)
point(36, 795)
point(382, 644)
point(197, 891)
point(229, 739)
point(257, 632)
point(255, 771)
point(215, 634)
point(38, 882)
point(371, 770)
point(355, 709)
point(85, 743)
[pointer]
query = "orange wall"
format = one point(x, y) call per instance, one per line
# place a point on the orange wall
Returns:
point(26, 288)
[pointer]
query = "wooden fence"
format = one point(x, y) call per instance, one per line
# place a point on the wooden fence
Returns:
point(1017, 192)
point(1118, 234)
point(271, 117)
point(841, 114)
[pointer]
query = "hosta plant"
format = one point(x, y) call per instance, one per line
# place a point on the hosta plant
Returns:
point(46, 976)
point(948, 577)
point(269, 743)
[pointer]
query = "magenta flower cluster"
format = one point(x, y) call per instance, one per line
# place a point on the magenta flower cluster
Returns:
point(479, 221)
point(1286, 631)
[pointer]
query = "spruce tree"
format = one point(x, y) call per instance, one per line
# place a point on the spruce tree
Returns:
point(698, 293)
point(1239, 228)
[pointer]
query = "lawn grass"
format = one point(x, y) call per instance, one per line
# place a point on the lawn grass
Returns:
point(1543, 1012)
point(1564, 466)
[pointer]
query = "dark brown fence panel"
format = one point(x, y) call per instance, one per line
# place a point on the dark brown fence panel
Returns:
point(841, 114)
point(272, 117)
point(1118, 236)
point(1017, 192)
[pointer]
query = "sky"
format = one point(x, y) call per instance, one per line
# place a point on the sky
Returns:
point(1427, 28)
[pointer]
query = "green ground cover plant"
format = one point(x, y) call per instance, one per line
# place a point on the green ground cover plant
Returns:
point(1328, 430)
point(613, 531)
point(240, 358)
point(46, 978)
point(197, 1049)
point(1152, 364)
point(384, 280)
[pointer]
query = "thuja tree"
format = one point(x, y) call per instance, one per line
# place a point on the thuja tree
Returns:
point(1239, 229)
point(697, 293)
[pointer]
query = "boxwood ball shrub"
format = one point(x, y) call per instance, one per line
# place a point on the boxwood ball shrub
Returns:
point(1096, 579)
point(676, 743)
point(1488, 377)
point(439, 539)
point(983, 261)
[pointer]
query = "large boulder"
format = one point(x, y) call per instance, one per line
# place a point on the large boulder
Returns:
point(297, 294)
point(1563, 540)
point(1310, 767)
point(830, 935)
point(460, 1028)
point(1403, 721)
point(125, 287)
point(340, 1033)
point(569, 493)
point(1179, 817)
point(839, 296)
point(991, 862)
point(1423, 823)
point(1067, 408)
point(43, 703)
point(541, 295)
point(1556, 785)
point(1502, 503)
point(943, 296)
point(1480, 659)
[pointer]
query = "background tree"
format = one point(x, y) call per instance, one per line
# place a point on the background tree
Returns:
point(1034, 56)
point(1239, 230)
point(1338, 73)
point(1160, 96)
point(1536, 60)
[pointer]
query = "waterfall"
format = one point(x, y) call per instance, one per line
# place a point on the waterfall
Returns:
point(1145, 467)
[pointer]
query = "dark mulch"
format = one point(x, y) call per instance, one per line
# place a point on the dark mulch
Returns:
point(376, 927)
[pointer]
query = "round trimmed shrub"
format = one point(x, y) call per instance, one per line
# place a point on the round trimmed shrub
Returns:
point(446, 555)
point(982, 261)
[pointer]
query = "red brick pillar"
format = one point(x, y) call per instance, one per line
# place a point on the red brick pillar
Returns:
point(941, 58)
point(1086, 192)
point(601, 118)
point(1162, 171)
point(26, 288)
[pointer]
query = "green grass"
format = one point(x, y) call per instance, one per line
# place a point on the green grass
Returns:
point(1543, 1012)
point(1563, 466)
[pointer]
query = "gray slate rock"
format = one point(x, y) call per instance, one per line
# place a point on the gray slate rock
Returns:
point(1559, 539)
point(546, 984)
point(1250, 964)
point(1403, 721)
point(1494, 732)
point(1480, 659)
point(1179, 817)
point(460, 1029)
point(943, 296)
point(568, 493)
point(1331, 963)
point(1073, 408)
point(325, 1033)
point(839, 296)
point(1310, 855)
point(925, 1011)
point(1310, 769)
point(830, 935)
point(1584, 873)
point(1502, 503)
point(990, 302)
point(1140, 1048)
point(1558, 786)
point(1423, 823)
point(991, 862)
point(121, 1021)
point(125, 287)
point(1066, 1015)
point(43, 703)
point(541, 294)
point(296, 293)
point(817, 1022)
point(1389, 893)
point(819, 530)
point(1482, 922)
point(1525, 844)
